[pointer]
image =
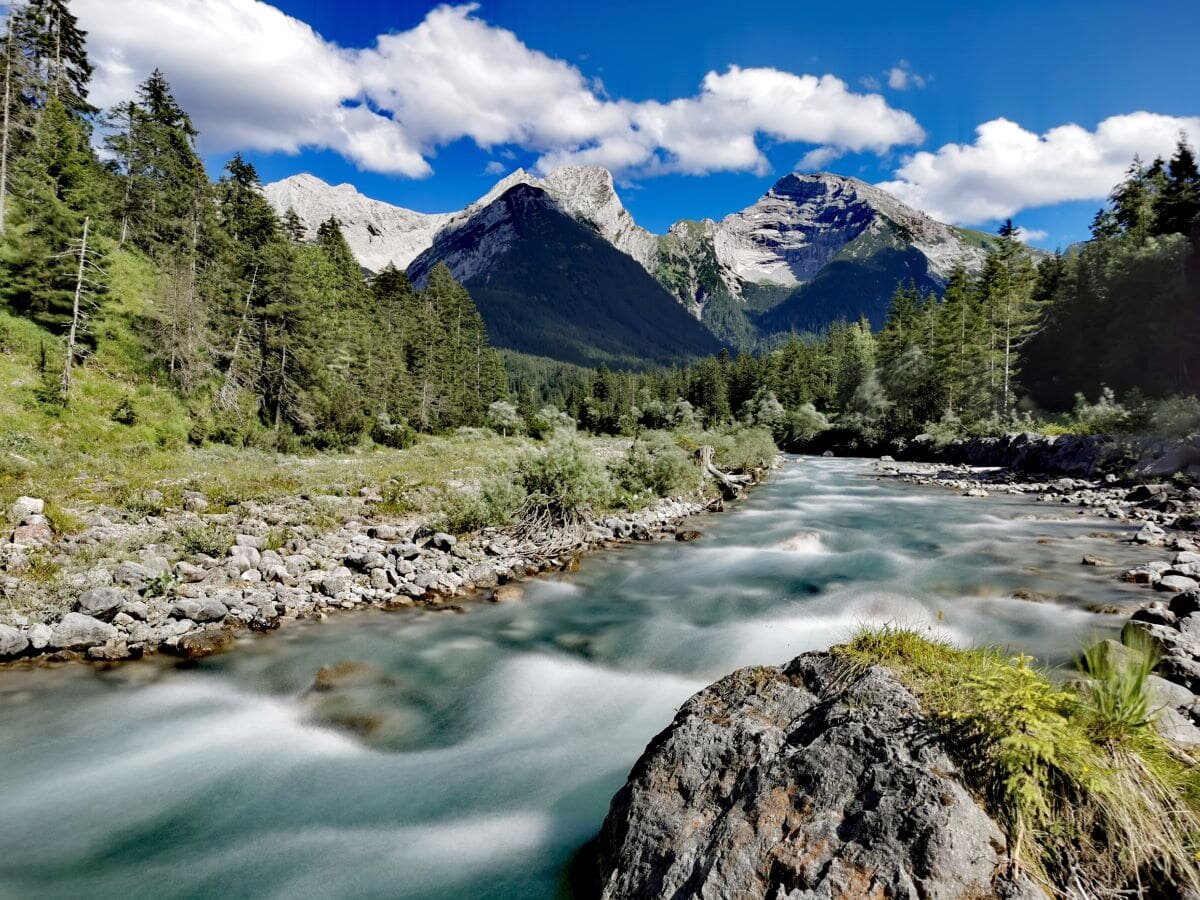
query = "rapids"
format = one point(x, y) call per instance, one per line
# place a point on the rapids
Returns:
point(472, 755)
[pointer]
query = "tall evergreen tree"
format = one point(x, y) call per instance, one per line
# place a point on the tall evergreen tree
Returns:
point(57, 52)
point(1178, 204)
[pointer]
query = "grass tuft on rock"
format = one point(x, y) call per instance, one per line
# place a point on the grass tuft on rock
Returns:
point(1092, 798)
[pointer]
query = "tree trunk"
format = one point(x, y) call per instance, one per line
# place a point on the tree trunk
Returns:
point(731, 485)
point(229, 385)
point(66, 374)
point(7, 125)
point(128, 180)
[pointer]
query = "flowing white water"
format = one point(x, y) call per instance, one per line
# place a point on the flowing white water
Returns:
point(471, 755)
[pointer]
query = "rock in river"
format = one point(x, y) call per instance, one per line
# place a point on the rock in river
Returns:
point(803, 781)
point(12, 642)
point(77, 631)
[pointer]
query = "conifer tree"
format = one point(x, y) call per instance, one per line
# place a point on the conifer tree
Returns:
point(57, 52)
point(1178, 204)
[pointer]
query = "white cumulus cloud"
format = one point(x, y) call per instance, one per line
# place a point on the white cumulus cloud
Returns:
point(1031, 235)
point(1008, 168)
point(256, 78)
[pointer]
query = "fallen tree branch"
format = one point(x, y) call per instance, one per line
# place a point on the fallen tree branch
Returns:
point(731, 485)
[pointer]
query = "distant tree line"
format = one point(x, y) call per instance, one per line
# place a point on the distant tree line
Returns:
point(1022, 340)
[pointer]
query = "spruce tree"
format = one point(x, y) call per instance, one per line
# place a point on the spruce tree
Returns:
point(57, 52)
point(1178, 204)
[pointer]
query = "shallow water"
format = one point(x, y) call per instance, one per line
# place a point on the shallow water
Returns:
point(471, 755)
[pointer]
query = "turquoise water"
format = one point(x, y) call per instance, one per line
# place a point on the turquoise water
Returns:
point(470, 755)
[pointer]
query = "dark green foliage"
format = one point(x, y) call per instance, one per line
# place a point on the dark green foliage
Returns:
point(56, 184)
point(1125, 311)
point(56, 52)
point(657, 466)
point(849, 288)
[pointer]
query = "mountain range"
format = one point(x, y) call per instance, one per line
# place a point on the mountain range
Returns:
point(560, 268)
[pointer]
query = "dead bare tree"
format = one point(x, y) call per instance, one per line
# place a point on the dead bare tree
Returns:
point(87, 264)
point(731, 485)
point(227, 396)
point(7, 124)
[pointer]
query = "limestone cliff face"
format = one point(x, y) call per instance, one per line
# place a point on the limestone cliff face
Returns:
point(801, 781)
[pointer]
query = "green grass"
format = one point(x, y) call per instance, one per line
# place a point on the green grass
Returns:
point(1077, 776)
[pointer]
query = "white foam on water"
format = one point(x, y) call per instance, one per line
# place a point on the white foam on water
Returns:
point(805, 542)
point(825, 621)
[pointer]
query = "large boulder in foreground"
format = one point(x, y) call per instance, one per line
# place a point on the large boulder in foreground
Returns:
point(803, 781)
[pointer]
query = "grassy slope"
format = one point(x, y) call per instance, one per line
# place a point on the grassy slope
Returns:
point(1076, 774)
point(79, 457)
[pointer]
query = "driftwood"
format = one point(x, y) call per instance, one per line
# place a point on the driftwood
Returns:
point(543, 532)
point(731, 485)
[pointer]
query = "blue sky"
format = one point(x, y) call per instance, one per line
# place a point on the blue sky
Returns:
point(1039, 66)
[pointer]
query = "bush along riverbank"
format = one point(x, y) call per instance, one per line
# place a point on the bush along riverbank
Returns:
point(185, 579)
point(899, 766)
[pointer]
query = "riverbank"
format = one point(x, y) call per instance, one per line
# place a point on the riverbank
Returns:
point(186, 580)
point(444, 756)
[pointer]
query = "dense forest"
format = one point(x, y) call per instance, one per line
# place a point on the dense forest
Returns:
point(276, 337)
point(271, 334)
point(1104, 337)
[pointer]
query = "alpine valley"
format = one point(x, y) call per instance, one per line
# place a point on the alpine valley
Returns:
point(559, 267)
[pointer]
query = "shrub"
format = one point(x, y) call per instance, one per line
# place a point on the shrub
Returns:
point(397, 435)
point(207, 539)
point(1105, 416)
point(657, 465)
point(494, 504)
point(564, 478)
point(125, 414)
point(944, 431)
point(1175, 416)
point(548, 420)
point(746, 449)
point(804, 423)
point(764, 409)
point(503, 417)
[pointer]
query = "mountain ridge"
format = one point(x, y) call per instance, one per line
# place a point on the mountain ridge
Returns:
point(548, 284)
point(726, 273)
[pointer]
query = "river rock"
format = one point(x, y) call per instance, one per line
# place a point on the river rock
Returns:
point(443, 541)
point(806, 781)
point(12, 642)
point(199, 644)
point(1176, 584)
point(24, 507)
point(101, 602)
point(77, 631)
point(39, 635)
point(688, 535)
point(34, 531)
point(1150, 534)
point(201, 609)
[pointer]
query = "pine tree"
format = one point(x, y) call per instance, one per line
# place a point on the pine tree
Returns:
point(1006, 293)
point(58, 184)
point(294, 227)
point(1178, 204)
point(1134, 199)
point(57, 52)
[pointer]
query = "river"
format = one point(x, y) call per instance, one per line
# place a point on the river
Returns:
point(471, 755)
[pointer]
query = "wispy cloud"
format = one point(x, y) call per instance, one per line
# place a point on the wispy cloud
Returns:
point(901, 77)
